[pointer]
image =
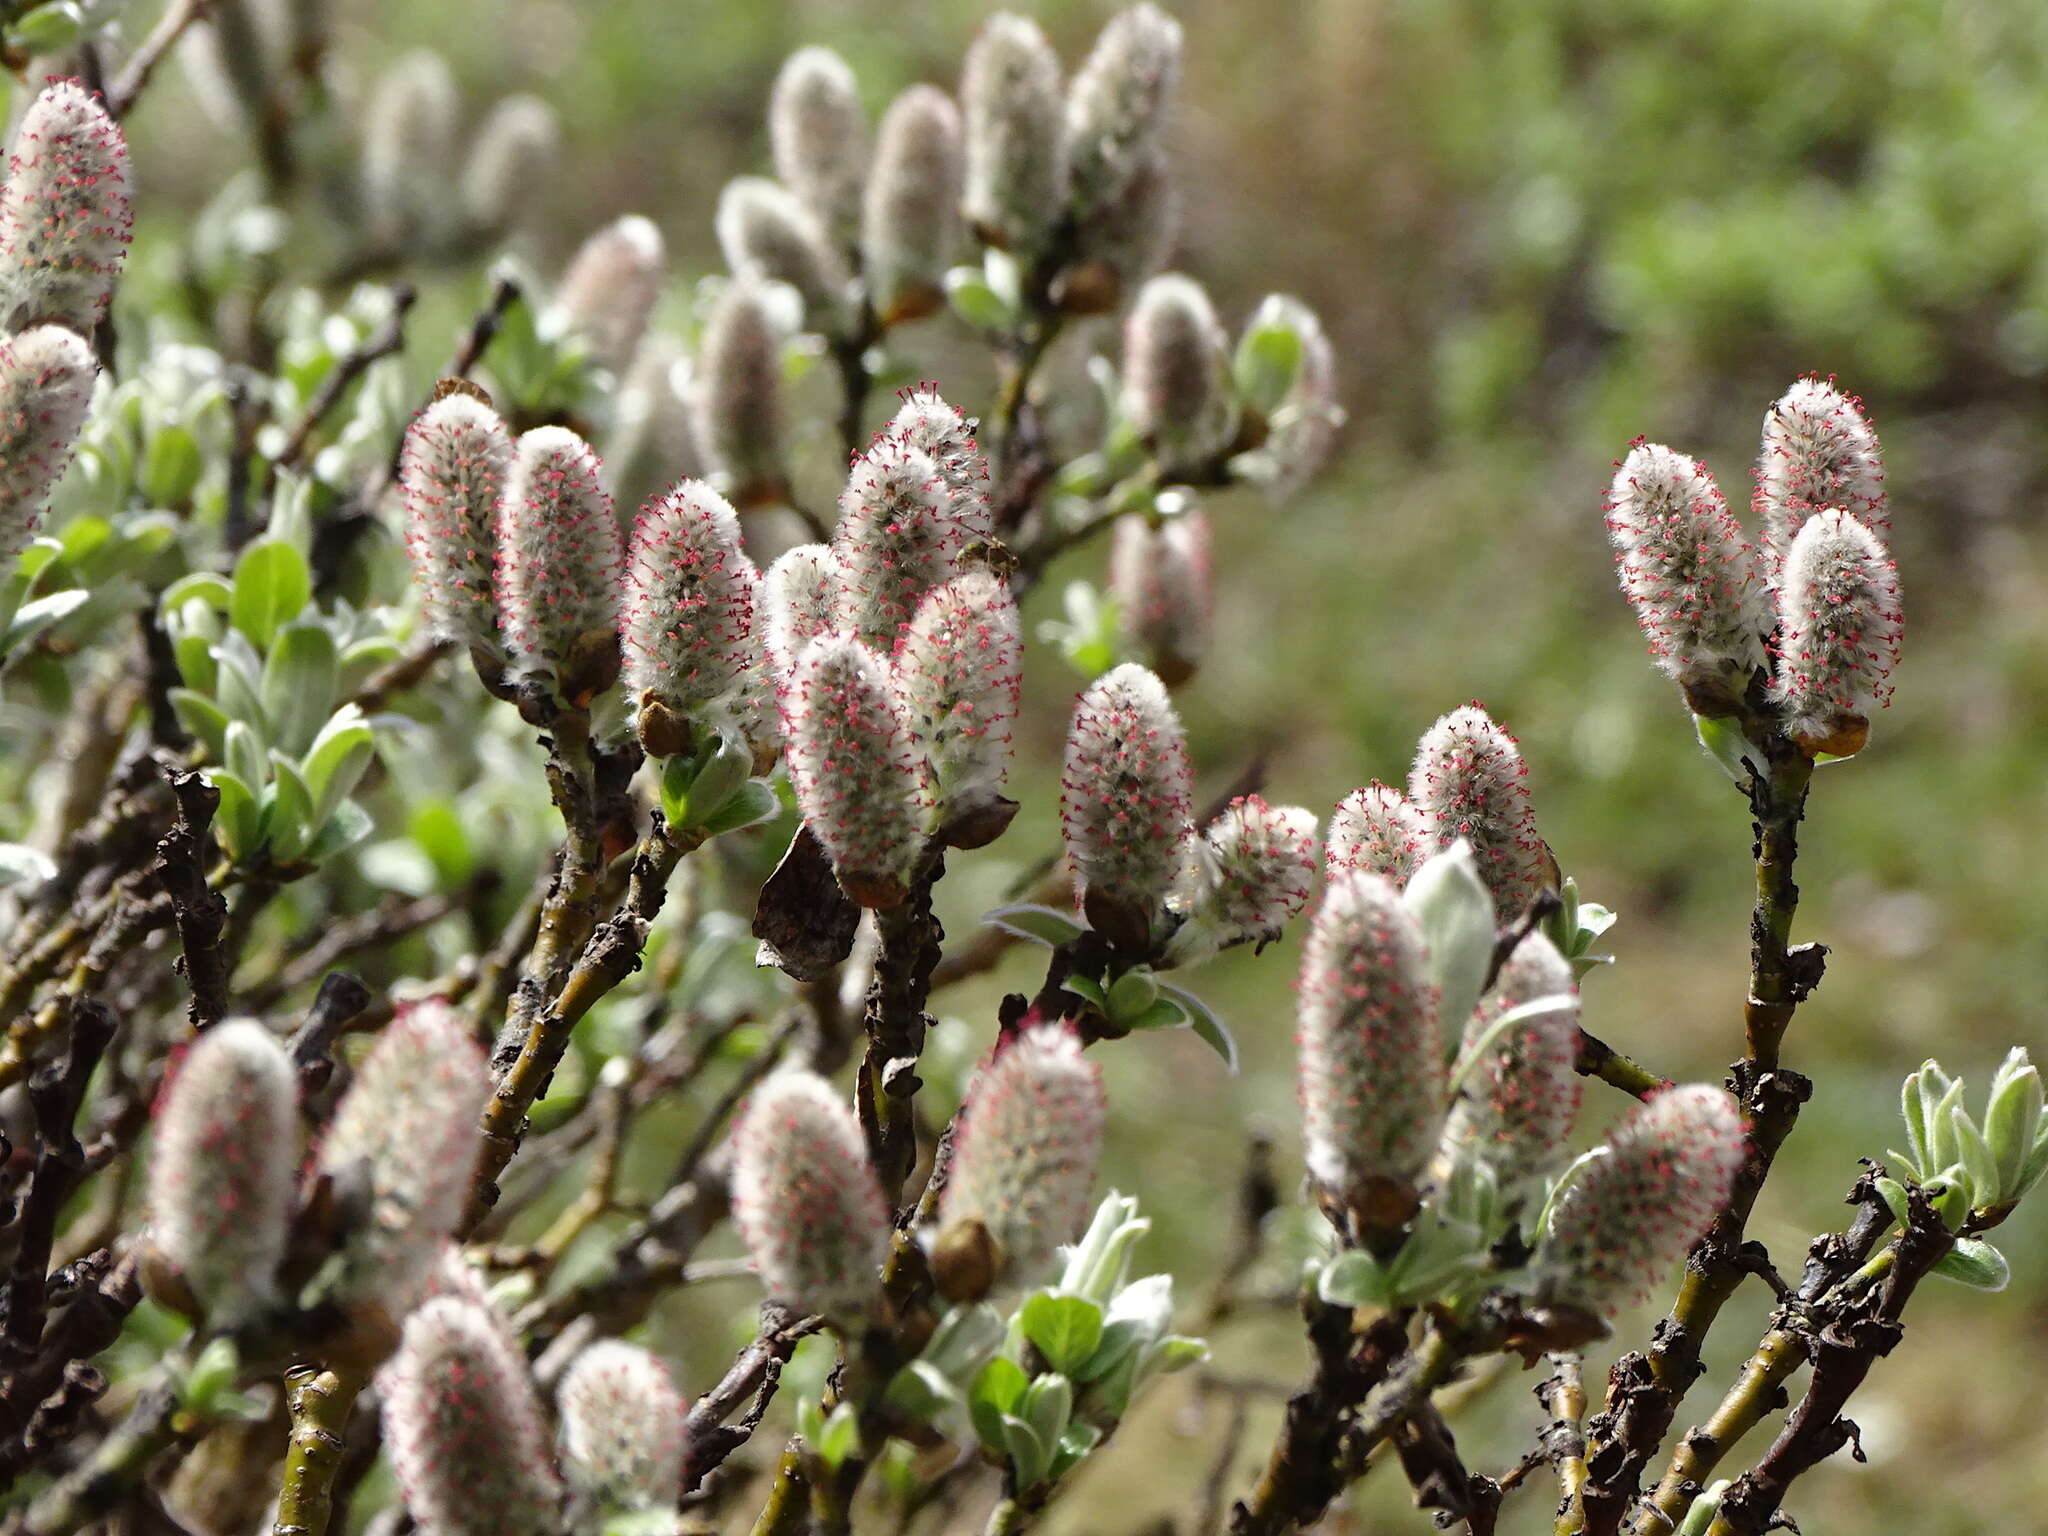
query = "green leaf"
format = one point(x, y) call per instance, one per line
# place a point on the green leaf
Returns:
point(1268, 358)
point(1131, 994)
point(171, 466)
point(238, 821)
point(2012, 1119)
point(1726, 744)
point(336, 761)
point(839, 1438)
point(1088, 989)
point(272, 586)
point(1079, 1438)
point(1203, 1020)
point(1975, 1263)
point(976, 302)
point(1354, 1279)
point(199, 586)
point(1064, 1329)
point(1047, 1405)
point(288, 818)
point(1451, 903)
point(996, 1390)
point(243, 756)
point(1041, 925)
point(751, 804)
point(299, 678)
point(1978, 1162)
point(920, 1391)
point(32, 618)
point(1029, 1458)
point(348, 825)
point(1164, 1013)
point(204, 719)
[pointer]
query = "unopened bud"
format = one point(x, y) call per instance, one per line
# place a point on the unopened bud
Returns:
point(622, 1427)
point(464, 1427)
point(1248, 874)
point(1118, 104)
point(858, 779)
point(688, 607)
point(1016, 178)
point(609, 290)
point(1377, 830)
point(1176, 387)
point(451, 473)
point(1634, 1211)
point(819, 137)
point(409, 154)
point(404, 1139)
point(1372, 1060)
point(1686, 570)
point(514, 151)
point(1819, 452)
point(736, 396)
point(221, 1177)
point(46, 383)
point(1467, 783)
point(1839, 623)
point(766, 232)
point(910, 226)
point(1516, 1105)
point(1159, 576)
point(1024, 1156)
point(64, 213)
point(1124, 243)
point(957, 669)
point(806, 1199)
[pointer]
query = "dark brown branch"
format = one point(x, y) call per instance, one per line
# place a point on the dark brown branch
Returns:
point(754, 1373)
point(1862, 1331)
point(56, 1093)
point(895, 1023)
point(199, 911)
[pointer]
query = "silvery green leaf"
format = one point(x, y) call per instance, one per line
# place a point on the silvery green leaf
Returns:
point(204, 719)
point(1064, 1329)
point(1355, 1278)
point(272, 586)
point(2012, 1120)
point(1041, 925)
point(1977, 1160)
point(23, 865)
point(1204, 1021)
point(1030, 1460)
point(1451, 903)
point(1726, 744)
point(1047, 1405)
point(298, 683)
point(1975, 1263)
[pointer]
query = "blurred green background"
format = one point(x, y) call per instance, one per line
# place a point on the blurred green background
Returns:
point(1534, 231)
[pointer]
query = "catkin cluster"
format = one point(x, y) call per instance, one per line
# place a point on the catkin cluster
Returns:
point(1816, 612)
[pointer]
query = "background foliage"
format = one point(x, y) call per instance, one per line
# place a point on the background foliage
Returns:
point(1535, 228)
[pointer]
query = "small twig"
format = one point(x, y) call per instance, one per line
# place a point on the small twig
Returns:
point(135, 75)
point(200, 912)
point(754, 1373)
point(386, 340)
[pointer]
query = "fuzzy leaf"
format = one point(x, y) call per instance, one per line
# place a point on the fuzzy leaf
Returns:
point(1041, 925)
point(1975, 1263)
